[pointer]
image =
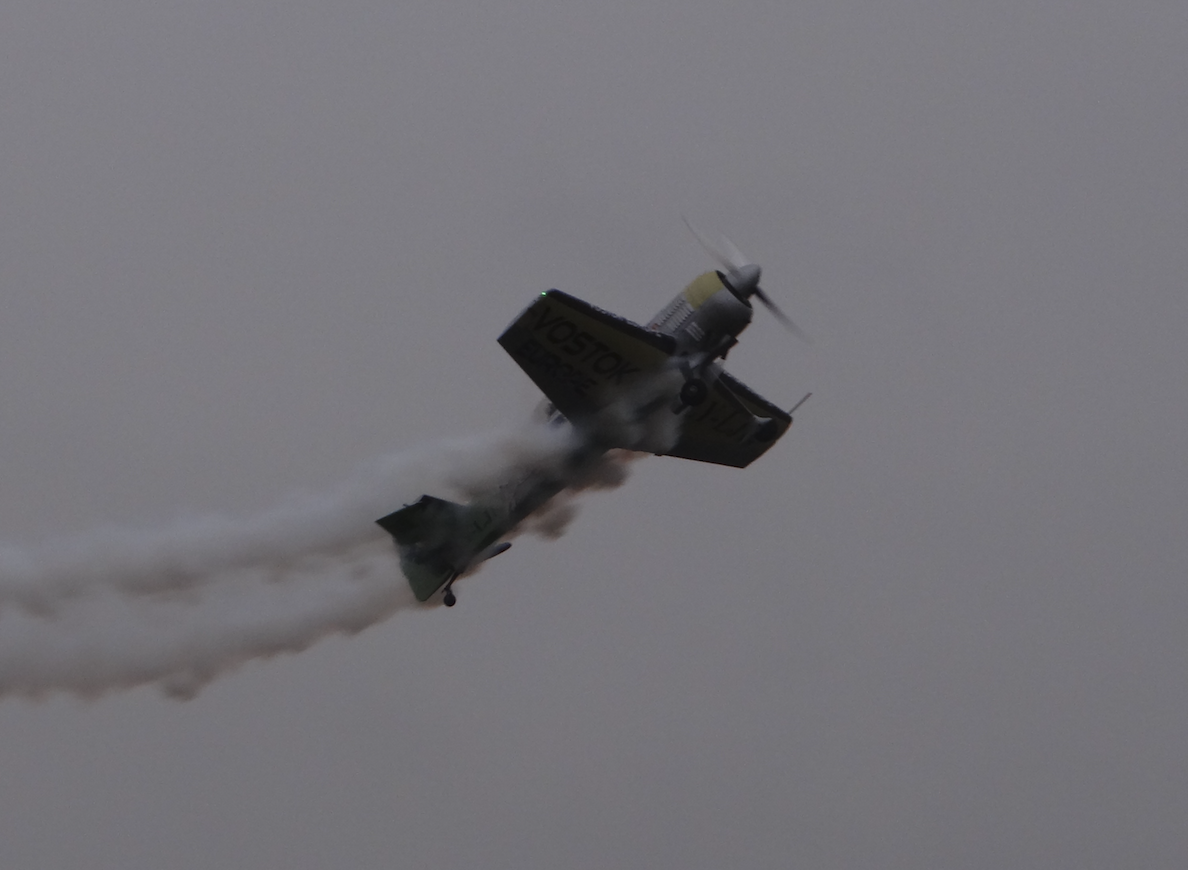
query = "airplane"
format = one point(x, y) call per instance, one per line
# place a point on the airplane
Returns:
point(597, 370)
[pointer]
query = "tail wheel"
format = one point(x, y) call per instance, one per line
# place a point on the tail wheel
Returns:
point(449, 600)
point(694, 392)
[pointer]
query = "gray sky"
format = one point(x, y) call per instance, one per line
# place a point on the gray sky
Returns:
point(245, 247)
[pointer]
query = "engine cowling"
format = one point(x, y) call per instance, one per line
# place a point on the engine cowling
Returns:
point(722, 314)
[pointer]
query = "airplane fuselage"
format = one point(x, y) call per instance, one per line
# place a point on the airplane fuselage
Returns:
point(704, 318)
point(608, 380)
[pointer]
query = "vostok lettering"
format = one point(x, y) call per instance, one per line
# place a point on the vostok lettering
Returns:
point(569, 339)
point(552, 367)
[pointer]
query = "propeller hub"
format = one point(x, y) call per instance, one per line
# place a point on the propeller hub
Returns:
point(744, 279)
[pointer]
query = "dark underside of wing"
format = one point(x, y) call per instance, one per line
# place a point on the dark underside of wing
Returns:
point(580, 356)
point(584, 358)
point(734, 426)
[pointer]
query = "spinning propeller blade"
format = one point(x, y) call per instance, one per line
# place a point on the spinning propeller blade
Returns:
point(729, 259)
point(781, 316)
point(743, 276)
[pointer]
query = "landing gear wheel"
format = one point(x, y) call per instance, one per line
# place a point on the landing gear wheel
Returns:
point(448, 599)
point(693, 393)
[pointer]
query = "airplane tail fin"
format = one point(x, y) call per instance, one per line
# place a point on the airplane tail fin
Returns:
point(438, 540)
point(422, 521)
point(423, 532)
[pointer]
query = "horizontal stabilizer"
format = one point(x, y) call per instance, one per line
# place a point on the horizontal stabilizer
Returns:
point(425, 578)
point(417, 523)
point(438, 539)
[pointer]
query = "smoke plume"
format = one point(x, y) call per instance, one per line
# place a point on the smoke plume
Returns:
point(178, 606)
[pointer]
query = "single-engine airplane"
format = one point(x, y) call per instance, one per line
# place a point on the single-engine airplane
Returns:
point(587, 361)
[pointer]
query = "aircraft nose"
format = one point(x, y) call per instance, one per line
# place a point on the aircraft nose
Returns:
point(745, 279)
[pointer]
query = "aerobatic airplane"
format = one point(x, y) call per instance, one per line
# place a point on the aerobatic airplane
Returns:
point(587, 362)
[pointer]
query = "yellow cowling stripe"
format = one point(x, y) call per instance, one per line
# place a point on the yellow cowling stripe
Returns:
point(702, 288)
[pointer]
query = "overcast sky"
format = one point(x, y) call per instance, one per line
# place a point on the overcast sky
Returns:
point(247, 246)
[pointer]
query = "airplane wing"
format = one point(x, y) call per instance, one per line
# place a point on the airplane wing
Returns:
point(734, 426)
point(583, 358)
point(580, 356)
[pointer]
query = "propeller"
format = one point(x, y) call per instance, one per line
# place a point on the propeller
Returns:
point(743, 276)
point(779, 315)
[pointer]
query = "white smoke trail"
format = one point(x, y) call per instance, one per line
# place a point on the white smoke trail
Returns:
point(181, 605)
point(641, 418)
point(112, 642)
point(198, 551)
point(552, 519)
